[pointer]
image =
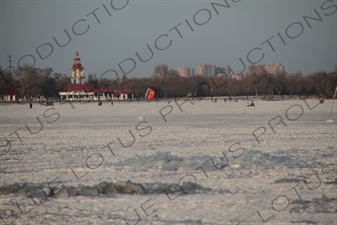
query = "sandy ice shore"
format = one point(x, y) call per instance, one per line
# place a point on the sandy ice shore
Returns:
point(201, 163)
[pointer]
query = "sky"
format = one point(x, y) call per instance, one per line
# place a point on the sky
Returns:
point(110, 34)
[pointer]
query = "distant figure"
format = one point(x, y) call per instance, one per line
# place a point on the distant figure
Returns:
point(99, 103)
point(215, 100)
point(169, 101)
point(30, 105)
point(321, 101)
point(224, 100)
point(112, 103)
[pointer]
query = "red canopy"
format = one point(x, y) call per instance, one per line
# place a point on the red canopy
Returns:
point(76, 87)
point(8, 91)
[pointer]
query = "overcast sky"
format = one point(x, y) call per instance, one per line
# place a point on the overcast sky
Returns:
point(109, 33)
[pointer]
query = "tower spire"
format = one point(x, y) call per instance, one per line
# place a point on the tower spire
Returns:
point(77, 56)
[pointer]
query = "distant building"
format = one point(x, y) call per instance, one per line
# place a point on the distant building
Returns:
point(206, 70)
point(77, 71)
point(185, 72)
point(223, 72)
point(76, 90)
point(201, 70)
point(122, 94)
point(211, 70)
point(274, 68)
point(8, 94)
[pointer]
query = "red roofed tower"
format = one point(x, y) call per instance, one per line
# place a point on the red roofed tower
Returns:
point(77, 71)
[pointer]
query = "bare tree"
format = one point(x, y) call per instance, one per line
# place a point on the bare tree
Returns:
point(280, 83)
point(61, 80)
point(27, 77)
point(6, 79)
point(47, 85)
point(161, 71)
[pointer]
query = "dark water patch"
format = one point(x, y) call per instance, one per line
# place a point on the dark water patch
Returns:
point(288, 180)
point(103, 188)
point(300, 202)
point(165, 161)
point(323, 204)
point(263, 159)
point(304, 222)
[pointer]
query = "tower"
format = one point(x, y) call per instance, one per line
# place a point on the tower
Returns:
point(77, 71)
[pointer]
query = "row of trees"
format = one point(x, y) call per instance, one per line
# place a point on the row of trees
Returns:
point(33, 82)
point(257, 82)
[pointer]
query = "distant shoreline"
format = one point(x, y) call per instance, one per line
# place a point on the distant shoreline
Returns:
point(218, 98)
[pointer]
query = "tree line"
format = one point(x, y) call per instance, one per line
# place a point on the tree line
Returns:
point(33, 82)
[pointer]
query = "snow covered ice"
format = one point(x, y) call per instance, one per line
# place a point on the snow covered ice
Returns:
point(208, 163)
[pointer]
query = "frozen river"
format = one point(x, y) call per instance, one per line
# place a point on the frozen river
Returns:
point(178, 163)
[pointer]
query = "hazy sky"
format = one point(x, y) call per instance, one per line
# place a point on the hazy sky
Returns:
point(109, 33)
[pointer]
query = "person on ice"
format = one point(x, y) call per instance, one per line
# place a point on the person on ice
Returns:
point(322, 100)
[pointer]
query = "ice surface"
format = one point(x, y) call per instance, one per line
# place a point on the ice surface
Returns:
point(202, 166)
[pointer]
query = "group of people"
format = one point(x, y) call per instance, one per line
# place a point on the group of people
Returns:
point(42, 104)
point(234, 100)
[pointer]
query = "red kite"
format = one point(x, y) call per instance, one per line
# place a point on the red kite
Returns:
point(150, 93)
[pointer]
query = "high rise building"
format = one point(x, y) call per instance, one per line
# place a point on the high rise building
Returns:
point(219, 69)
point(201, 70)
point(211, 70)
point(191, 72)
point(274, 68)
point(206, 70)
point(185, 71)
point(222, 71)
